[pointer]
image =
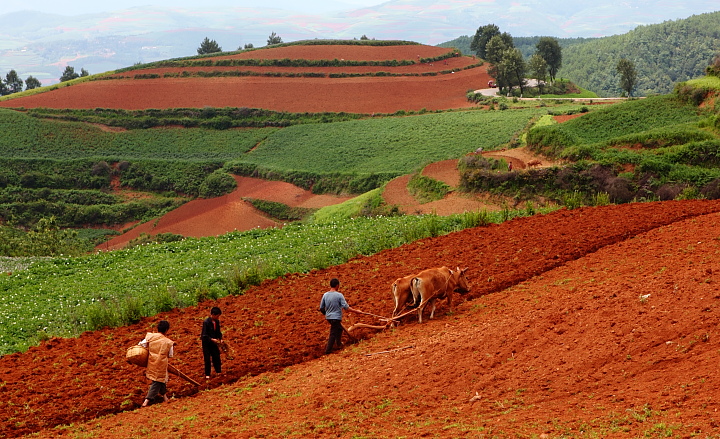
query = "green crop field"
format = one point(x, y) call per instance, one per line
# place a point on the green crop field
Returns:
point(29, 137)
point(389, 145)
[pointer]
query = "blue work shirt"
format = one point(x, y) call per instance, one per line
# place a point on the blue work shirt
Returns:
point(333, 302)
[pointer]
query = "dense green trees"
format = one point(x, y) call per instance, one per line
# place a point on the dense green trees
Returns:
point(208, 46)
point(537, 69)
point(514, 68)
point(663, 54)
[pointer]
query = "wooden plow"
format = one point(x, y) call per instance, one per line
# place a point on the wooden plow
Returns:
point(174, 370)
point(389, 322)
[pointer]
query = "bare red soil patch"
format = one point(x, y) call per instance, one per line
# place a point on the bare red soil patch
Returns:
point(596, 319)
point(565, 117)
point(376, 94)
point(396, 193)
point(220, 215)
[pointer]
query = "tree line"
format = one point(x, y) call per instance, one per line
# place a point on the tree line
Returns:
point(211, 46)
point(13, 83)
point(661, 54)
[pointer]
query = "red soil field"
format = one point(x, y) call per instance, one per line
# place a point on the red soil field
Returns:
point(600, 320)
point(387, 94)
point(217, 216)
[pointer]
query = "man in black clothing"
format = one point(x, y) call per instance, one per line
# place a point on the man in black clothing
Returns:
point(211, 336)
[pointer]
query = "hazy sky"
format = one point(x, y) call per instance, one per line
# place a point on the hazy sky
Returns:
point(75, 7)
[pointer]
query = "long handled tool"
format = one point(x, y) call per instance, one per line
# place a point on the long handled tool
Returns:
point(174, 370)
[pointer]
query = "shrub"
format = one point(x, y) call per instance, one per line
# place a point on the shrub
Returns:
point(426, 189)
point(711, 191)
point(216, 184)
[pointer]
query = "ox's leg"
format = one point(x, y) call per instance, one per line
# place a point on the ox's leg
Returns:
point(432, 309)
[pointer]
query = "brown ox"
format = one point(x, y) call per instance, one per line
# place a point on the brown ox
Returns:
point(437, 283)
point(402, 293)
point(534, 162)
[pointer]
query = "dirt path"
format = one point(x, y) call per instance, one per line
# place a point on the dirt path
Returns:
point(521, 158)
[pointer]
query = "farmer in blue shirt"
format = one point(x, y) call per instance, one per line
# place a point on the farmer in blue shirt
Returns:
point(332, 304)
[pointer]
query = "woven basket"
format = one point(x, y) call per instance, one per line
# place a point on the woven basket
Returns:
point(137, 355)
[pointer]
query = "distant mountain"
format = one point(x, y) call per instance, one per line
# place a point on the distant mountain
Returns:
point(42, 45)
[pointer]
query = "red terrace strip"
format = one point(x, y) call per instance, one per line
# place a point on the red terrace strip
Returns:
point(348, 52)
point(571, 344)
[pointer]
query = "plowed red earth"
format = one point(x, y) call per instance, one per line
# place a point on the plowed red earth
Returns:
point(600, 320)
point(377, 94)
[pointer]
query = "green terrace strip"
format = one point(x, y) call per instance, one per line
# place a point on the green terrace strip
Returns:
point(208, 117)
point(66, 296)
point(30, 137)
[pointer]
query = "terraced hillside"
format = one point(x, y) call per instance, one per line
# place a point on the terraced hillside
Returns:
point(595, 320)
point(350, 78)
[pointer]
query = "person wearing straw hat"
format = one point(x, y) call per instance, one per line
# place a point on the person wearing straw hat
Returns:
point(160, 349)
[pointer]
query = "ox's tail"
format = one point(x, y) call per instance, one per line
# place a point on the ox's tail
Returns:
point(415, 293)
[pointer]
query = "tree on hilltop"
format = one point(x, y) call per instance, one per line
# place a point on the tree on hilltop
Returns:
point(274, 39)
point(537, 67)
point(69, 74)
point(13, 83)
point(482, 37)
point(549, 49)
point(208, 46)
point(628, 75)
point(31, 82)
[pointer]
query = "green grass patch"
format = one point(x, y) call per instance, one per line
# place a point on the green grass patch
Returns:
point(369, 203)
